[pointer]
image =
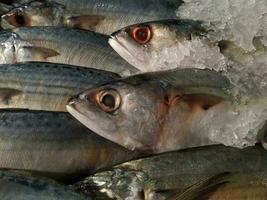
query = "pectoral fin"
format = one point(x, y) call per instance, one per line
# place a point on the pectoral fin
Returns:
point(40, 53)
point(7, 93)
point(88, 22)
point(203, 189)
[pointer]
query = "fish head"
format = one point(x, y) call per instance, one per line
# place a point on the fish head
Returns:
point(121, 112)
point(143, 44)
point(33, 14)
point(7, 47)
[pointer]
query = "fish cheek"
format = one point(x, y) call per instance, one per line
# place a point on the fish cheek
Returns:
point(136, 118)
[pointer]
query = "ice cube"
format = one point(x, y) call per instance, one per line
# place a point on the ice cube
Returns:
point(235, 20)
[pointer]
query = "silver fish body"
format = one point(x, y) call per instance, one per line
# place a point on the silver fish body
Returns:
point(158, 177)
point(54, 144)
point(61, 45)
point(22, 187)
point(45, 86)
point(172, 110)
point(101, 16)
point(147, 112)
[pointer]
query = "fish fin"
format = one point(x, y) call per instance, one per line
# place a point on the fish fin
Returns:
point(203, 101)
point(7, 93)
point(88, 22)
point(190, 81)
point(234, 52)
point(41, 53)
point(203, 189)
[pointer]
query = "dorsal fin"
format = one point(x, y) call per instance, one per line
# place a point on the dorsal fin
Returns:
point(189, 81)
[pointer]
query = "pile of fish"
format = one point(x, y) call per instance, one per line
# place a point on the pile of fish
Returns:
point(131, 100)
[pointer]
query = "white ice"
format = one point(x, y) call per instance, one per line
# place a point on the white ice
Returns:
point(235, 20)
point(196, 53)
point(243, 22)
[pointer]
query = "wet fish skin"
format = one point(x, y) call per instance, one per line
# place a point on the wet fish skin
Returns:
point(101, 16)
point(21, 187)
point(62, 45)
point(45, 86)
point(55, 145)
point(175, 36)
point(173, 172)
point(147, 107)
point(168, 44)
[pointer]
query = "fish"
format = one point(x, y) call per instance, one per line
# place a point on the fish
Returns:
point(171, 110)
point(55, 145)
point(22, 186)
point(102, 16)
point(62, 45)
point(168, 44)
point(165, 175)
point(227, 186)
point(45, 86)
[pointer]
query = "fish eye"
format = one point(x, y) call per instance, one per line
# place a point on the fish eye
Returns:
point(20, 19)
point(141, 34)
point(109, 100)
point(15, 18)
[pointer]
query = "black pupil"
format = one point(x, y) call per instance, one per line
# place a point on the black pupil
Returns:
point(142, 34)
point(108, 100)
point(20, 19)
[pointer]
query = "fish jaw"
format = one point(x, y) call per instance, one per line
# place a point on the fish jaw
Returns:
point(129, 51)
point(90, 116)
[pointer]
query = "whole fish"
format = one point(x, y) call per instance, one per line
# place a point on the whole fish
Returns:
point(61, 45)
point(104, 16)
point(45, 86)
point(168, 44)
point(25, 187)
point(55, 145)
point(171, 110)
point(228, 186)
point(161, 176)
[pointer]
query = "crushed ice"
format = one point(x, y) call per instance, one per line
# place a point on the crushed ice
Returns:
point(243, 22)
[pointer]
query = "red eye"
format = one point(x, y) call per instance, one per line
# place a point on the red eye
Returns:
point(141, 34)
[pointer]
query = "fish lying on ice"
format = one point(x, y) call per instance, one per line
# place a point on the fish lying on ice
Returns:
point(171, 110)
point(168, 44)
point(161, 176)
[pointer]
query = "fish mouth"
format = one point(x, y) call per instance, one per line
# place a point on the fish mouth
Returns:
point(5, 22)
point(125, 52)
point(74, 108)
point(71, 107)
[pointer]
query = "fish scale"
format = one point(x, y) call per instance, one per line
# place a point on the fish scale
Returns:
point(31, 188)
point(75, 47)
point(45, 86)
point(54, 144)
point(174, 171)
